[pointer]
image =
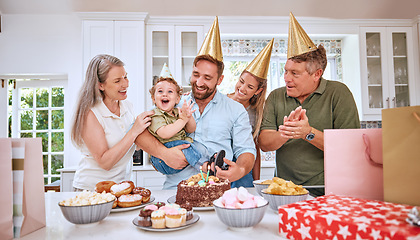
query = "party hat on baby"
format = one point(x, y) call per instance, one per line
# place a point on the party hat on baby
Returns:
point(165, 73)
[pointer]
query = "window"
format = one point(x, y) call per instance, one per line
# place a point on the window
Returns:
point(36, 109)
point(237, 53)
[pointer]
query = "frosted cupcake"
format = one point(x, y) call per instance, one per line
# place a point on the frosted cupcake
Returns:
point(189, 209)
point(158, 219)
point(183, 214)
point(172, 218)
point(145, 217)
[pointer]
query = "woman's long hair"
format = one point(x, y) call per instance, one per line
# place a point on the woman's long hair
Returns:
point(257, 102)
point(90, 95)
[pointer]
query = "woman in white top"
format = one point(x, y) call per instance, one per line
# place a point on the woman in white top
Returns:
point(101, 125)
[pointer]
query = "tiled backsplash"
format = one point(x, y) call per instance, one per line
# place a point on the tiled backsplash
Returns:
point(370, 124)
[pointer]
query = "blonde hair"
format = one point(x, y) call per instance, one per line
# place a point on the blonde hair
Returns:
point(90, 95)
point(257, 102)
point(170, 80)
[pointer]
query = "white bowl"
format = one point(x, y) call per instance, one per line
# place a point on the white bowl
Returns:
point(86, 214)
point(259, 186)
point(240, 219)
point(278, 200)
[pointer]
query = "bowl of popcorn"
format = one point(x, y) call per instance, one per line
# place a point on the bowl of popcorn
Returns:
point(281, 192)
point(87, 207)
point(239, 209)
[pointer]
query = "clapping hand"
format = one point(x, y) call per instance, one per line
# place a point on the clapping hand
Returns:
point(296, 125)
point(185, 112)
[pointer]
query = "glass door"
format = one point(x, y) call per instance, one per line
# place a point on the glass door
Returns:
point(401, 97)
point(374, 70)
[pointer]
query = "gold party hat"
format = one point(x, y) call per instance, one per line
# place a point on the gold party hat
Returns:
point(212, 45)
point(259, 66)
point(165, 73)
point(299, 42)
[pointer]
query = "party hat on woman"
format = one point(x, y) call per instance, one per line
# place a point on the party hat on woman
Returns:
point(259, 66)
point(212, 45)
point(298, 42)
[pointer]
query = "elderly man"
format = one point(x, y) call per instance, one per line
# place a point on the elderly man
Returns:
point(295, 116)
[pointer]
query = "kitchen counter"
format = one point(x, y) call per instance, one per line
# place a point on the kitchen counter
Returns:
point(119, 225)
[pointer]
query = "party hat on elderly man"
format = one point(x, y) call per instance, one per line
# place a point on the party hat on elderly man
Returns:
point(165, 73)
point(259, 66)
point(211, 44)
point(298, 42)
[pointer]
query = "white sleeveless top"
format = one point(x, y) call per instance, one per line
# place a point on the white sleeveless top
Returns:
point(89, 173)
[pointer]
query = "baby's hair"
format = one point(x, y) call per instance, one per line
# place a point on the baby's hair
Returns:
point(170, 80)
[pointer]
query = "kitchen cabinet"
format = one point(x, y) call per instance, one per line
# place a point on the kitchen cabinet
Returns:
point(387, 69)
point(176, 45)
point(123, 39)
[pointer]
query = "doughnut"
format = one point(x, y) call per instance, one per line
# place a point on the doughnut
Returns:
point(129, 200)
point(122, 188)
point(114, 205)
point(137, 190)
point(104, 186)
point(145, 193)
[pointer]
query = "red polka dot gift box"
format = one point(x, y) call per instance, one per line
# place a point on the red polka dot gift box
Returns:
point(339, 217)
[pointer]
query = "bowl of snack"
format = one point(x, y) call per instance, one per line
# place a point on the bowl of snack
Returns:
point(282, 192)
point(261, 184)
point(87, 207)
point(240, 210)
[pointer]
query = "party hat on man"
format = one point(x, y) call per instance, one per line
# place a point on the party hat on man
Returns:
point(212, 45)
point(165, 73)
point(298, 42)
point(259, 66)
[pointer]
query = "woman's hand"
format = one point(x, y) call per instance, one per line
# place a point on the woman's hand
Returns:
point(142, 121)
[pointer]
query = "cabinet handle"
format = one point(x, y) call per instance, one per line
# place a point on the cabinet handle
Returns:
point(387, 102)
point(393, 101)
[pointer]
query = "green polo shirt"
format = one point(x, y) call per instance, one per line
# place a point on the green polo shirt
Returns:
point(330, 106)
point(162, 118)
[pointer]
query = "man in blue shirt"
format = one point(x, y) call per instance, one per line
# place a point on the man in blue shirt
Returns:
point(222, 123)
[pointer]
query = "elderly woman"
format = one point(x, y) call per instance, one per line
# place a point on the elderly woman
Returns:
point(101, 126)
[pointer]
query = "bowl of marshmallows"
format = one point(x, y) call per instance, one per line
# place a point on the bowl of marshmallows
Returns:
point(239, 209)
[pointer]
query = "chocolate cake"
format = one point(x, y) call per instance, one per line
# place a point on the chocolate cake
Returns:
point(203, 195)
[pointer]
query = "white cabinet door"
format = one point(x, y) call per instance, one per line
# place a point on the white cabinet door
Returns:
point(387, 69)
point(129, 47)
point(188, 40)
point(98, 38)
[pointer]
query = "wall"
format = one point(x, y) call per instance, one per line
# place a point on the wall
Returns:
point(44, 44)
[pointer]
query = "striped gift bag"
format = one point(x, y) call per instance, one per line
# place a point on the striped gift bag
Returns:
point(22, 174)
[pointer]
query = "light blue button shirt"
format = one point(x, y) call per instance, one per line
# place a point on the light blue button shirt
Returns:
point(224, 124)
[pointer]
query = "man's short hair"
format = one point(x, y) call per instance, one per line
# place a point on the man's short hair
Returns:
point(220, 65)
point(314, 59)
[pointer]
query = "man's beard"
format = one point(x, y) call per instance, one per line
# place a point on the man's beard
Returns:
point(202, 96)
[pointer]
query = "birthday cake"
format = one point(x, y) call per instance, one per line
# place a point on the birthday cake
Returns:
point(200, 190)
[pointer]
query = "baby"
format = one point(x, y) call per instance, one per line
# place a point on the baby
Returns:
point(170, 125)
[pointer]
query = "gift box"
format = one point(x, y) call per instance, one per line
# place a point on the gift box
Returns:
point(340, 217)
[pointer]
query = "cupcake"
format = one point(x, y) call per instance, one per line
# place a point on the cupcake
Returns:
point(151, 207)
point(189, 209)
point(172, 218)
point(160, 204)
point(145, 217)
point(173, 205)
point(183, 213)
point(158, 219)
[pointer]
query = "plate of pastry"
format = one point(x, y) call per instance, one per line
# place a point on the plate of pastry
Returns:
point(173, 199)
point(162, 225)
point(124, 209)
